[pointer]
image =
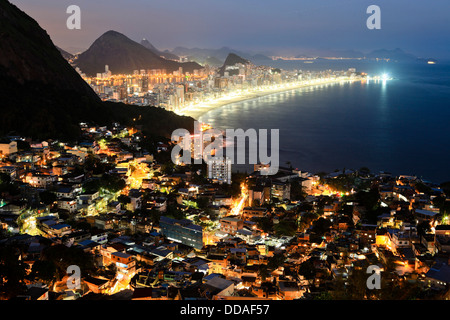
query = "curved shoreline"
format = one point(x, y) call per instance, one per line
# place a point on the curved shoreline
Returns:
point(198, 110)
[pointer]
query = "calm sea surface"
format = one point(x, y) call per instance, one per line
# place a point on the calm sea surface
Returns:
point(401, 126)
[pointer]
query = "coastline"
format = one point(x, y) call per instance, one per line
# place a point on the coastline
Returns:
point(198, 110)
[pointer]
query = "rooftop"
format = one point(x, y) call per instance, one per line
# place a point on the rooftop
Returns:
point(121, 255)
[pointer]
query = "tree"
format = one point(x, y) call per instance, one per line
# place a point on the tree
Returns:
point(173, 212)
point(109, 271)
point(297, 191)
point(364, 171)
point(305, 206)
point(321, 226)
point(23, 145)
point(94, 165)
point(342, 183)
point(84, 226)
point(64, 215)
point(307, 269)
point(44, 270)
point(109, 182)
point(423, 227)
point(325, 295)
point(370, 201)
point(47, 197)
point(62, 257)
point(285, 228)
point(446, 187)
point(167, 167)
point(154, 216)
point(91, 186)
point(123, 199)
point(6, 185)
point(263, 272)
point(276, 261)
point(202, 202)
point(112, 183)
point(306, 220)
point(264, 223)
point(423, 188)
point(12, 272)
point(357, 285)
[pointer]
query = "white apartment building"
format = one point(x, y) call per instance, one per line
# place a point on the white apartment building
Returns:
point(219, 170)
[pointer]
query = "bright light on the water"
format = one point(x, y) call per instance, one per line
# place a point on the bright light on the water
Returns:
point(385, 76)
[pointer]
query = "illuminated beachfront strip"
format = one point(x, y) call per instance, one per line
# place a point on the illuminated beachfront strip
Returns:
point(195, 93)
point(195, 110)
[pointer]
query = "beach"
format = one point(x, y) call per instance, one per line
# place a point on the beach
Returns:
point(196, 111)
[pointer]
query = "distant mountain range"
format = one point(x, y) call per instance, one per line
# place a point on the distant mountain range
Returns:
point(123, 56)
point(394, 54)
point(214, 57)
point(165, 54)
point(43, 97)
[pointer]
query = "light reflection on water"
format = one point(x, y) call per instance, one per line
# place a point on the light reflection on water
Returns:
point(395, 126)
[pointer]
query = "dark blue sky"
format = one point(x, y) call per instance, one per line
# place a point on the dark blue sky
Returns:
point(280, 26)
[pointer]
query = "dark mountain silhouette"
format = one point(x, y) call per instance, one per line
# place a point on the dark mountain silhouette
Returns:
point(213, 62)
point(165, 54)
point(260, 57)
point(203, 55)
point(346, 54)
point(396, 54)
point(232, 60)
point(39, 90)
point(43, 97)
point(123, 56)
point(66, 55)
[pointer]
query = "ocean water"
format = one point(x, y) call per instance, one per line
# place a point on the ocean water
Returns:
point(400, 126)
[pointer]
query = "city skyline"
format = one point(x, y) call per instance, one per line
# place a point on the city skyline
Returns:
point(285, 27)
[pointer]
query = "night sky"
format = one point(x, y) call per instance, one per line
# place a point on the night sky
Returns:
point(268, 26)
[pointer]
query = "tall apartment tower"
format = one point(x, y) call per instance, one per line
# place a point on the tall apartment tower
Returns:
point(219, 170)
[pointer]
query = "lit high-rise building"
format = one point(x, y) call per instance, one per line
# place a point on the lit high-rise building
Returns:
point(219, 170)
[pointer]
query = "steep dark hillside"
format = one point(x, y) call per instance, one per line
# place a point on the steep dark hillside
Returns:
point(66, 55)
point(42, 96)
point(40, 93)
